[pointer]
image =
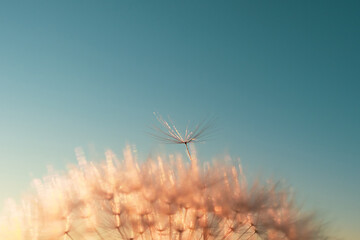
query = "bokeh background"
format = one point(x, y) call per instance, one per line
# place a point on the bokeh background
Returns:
point(280, 77)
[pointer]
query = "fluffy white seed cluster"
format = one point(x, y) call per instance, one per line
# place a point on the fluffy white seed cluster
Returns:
point(169, 200)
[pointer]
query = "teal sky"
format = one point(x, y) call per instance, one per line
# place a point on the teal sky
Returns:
point(281, 77)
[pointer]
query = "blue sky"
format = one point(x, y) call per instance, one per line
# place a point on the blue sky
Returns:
point(281, 77)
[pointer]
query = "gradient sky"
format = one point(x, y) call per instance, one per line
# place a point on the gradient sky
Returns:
point(281, 77)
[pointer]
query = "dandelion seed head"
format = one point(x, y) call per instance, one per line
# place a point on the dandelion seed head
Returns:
point(158, 199)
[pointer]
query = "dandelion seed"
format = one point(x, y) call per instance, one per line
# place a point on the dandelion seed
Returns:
point(168, 133)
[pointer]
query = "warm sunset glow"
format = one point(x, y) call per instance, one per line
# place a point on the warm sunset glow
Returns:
point(158, 199)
